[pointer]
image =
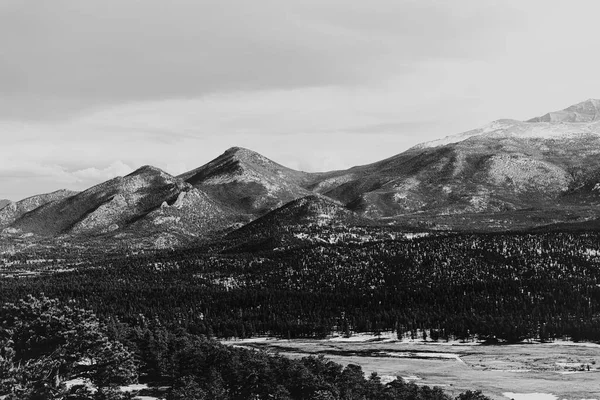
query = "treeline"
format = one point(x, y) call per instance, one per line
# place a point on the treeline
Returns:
point(495, 286)
point(198, 368)
point(53, 350)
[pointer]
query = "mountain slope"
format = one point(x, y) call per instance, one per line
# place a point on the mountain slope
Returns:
point(14, 210)
point(105, 207)
point(310, 210)
point(586, 111)
point(506, 165)
point(191, 216)
point(312, 218)
point(247, 182)
point(503, 175)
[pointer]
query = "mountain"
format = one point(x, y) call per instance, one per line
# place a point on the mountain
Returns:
point(586, 111)
point(4, 203)
point(312, 218)
point(12, 211)
point(504, 166)
point(192, 215)
point(507, 174)
point(313, 210)
point(148, 197)
point(247, 182)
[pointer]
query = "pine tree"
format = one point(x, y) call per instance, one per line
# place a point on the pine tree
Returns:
point(44, 344)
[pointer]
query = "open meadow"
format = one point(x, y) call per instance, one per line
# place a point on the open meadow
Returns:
point(500, 371)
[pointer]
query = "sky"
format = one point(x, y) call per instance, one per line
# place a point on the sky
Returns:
point(93, 89)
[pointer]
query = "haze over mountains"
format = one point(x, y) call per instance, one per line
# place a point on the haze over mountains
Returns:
point(507, 168)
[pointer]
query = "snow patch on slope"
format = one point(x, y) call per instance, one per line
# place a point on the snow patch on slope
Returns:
point(525, 130)
point(493, 127)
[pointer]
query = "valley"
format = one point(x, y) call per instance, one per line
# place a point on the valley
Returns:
point(557, 368)
point(469, 263)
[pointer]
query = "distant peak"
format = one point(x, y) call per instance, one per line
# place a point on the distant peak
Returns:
point(148, 169)
point(246, 155)
point(240, 152)
point(236, 149)
point(586, 111)
point(593, 101)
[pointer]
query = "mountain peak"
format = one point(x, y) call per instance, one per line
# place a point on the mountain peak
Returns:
point(237, 149)
point(586, 111)
point(246, 155)
point(245, 180)
point(148, 170)
point(590, 106)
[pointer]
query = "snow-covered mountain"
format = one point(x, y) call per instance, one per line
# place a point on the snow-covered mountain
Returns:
point(505, 165)
point(587, 111)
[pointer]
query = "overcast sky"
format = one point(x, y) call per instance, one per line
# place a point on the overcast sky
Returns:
point(92, 89)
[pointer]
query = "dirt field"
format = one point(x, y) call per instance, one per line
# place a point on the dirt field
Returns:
point(560, 369)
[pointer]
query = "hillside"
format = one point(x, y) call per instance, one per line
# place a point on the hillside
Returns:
point(310, 219)
point(586, 111)
point(191, 216)
point(113, 205)
point(11, 211)
point(504, 166)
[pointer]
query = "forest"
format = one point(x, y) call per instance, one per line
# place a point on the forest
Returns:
point(155, 315)
point(490, 287)
point(55, 350)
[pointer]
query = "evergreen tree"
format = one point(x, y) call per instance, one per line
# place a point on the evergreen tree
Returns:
point(44, 344)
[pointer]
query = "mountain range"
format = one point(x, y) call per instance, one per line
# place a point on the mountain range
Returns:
point(505, 175)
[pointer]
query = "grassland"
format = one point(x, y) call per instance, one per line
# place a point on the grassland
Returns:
point(559, 368)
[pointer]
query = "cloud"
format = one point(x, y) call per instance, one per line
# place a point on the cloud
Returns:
point(117, 168)
point(23, 178)
point(58, 58)
point(90, 88)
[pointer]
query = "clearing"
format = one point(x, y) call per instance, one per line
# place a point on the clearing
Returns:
point(565, 370)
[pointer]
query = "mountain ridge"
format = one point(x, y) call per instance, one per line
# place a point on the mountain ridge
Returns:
point(586, 111)
point(14, 210)
point(504, 167)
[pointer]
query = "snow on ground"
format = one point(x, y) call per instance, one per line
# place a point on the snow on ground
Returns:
point(78, 382)
point(411, 378)
point(571, 343)
point(256, 339)
point(366, 337)
point(134, 387)
point(385, 379)
point(449, 356)
point(392, 337)
point(530, 396)
point(129, 388)
point(512, 128)
point(510, 370)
